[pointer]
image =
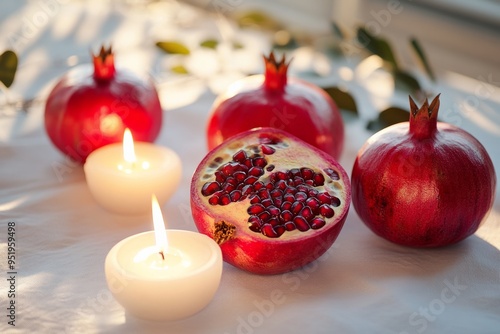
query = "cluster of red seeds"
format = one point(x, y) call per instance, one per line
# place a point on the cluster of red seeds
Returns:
point(287, 201)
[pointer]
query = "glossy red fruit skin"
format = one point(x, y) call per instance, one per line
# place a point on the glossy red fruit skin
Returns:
point(251, 251)
point(273, 100)
point(85, 110)
point(423, 183)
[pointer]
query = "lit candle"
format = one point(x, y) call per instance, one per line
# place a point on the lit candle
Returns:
point(122, 177)
point(163, 274)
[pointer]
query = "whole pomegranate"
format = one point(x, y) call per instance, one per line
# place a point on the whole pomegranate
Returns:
point(273, 100)
point(85, 111)
point(270, 200)
point(423, 183)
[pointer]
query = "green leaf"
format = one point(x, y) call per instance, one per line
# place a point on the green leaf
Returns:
point(419, 51)
point(179, 69)
point(237, 45)
point(378, 46)
point(388, 117)
point(209, 43)
point(259, 19)
point(406, 81)
point(172, 47)
point(342, 98)
point(8, 67)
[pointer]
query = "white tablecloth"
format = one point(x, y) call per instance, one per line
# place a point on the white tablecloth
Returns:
point(363, 284)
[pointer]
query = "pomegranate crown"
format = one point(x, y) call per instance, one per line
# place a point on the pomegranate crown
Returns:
point(423, 120)
point(276, 71)
point(104, 64)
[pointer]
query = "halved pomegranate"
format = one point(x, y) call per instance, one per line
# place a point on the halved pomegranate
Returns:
point(271, 201)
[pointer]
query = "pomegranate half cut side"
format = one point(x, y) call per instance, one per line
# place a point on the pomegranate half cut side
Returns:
point(271, 201)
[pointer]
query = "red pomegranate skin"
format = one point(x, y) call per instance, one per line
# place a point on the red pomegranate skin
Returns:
point(423, 183)
point(254, 250)
point(273, 100)
point(85, 111)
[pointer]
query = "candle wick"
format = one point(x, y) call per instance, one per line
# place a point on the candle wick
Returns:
point(162, 255)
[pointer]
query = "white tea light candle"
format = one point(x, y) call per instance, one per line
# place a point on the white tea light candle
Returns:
point(171, 278)
point(122, 177)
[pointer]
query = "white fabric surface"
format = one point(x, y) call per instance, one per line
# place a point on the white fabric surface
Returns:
point(363, 284)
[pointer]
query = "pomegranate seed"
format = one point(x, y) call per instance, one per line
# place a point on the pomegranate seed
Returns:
point(281, 185)
point(255, 171)
point(246, 190)
point(258, 185)
point(297, 207)
point(317, 223)
point(298, 180)
point(286, 216)
point(267, 150)
point(268, 231)
point(264, 193)
point(273, 210)
point(235, 195)
point(294, 172)
point(254, 227)
point(326, 211)
point(232, 180)
point(270, 186)
point(290, 226)
point(286, 205)
point(313, 192)
point(303, 188)
point(301, 223)
point(248, 163)
point(251, 180)
point(307, 213)
point(219, 177)
point(314, 204)
point(335, 201)
point(270, 168)
point(318, 179)
point(280, 230)
point(229, 168)
point(259, 162)
point(289, 198)
point(264, 216)
point(281, 175)
point(254, 219)
point(210, 188)
point(240, 176)
point(324, 198)
point(307, 173)
point(278, 201)
point(254, 199)
point(309, 182)
point(225, 199)
point(276, 193)
point(290, 190)
point(254, 223)
point(240, 156)
point(255, 209)
point(214, 200)
point(274, 222)
point(332, 174)
point(267, 202)
point(228, 187)
point(300, 196)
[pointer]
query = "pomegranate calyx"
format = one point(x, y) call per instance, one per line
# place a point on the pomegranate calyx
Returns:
point(276, 72)
point(423, 120)
point(104, 64)
point(223, 232)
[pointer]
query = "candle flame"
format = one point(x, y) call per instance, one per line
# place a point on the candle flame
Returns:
point(159, 225)
point(128, 147)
